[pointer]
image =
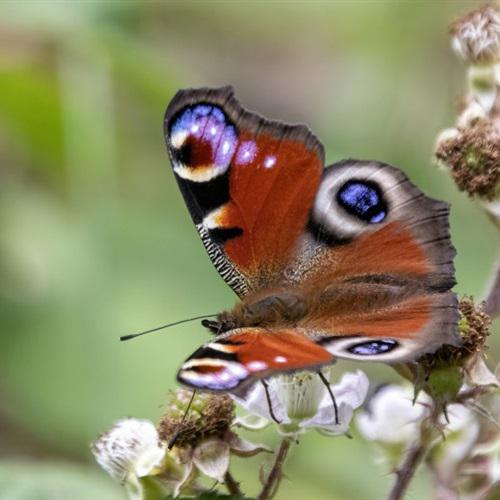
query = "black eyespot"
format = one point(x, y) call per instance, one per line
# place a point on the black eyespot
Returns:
point(364, 200)
point(183, 154)
point(373, 347)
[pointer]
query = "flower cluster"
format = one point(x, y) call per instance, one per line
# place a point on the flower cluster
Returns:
point(470, 150)
point(447, 414)
point(193, 437)
point(462, 453)
point(196, 436)
point(476, 36)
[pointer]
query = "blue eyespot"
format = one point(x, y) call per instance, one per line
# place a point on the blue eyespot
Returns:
point(206, 123)
point(364, 200)
point(373, 347)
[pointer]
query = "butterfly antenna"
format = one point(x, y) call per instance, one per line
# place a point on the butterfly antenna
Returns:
point(174, 438)
point(329, 389)
point(168, 325)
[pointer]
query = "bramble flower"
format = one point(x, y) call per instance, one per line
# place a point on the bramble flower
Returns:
point(471, 149)
point(202, 438)
point(473, 157)
point(153, 463)
point(476, 36)
point(391, 416)
point(129, 451)
point(467, 463)
point(444, 373)
point(394, 423)
point(391, 420)
point(460, 435)
point(301, 401)
point(485, 465)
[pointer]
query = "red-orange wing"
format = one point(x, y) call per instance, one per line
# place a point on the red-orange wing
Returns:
point(378, 253)
point(249, 183)
point(233, 361)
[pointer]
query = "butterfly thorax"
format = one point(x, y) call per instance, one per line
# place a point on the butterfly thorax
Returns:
point(265, 309)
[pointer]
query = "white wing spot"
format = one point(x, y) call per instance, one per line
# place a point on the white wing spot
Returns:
point(280, 359)
point(270, 161)
point(256, 366)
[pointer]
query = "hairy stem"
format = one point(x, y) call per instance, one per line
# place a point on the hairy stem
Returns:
point(406, 471)
point(411, 461)
point(275, 475)
point(232, 485)
point(493, 297)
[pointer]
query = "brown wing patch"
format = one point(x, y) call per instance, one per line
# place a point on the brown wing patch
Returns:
point(401, 320)
point(389, 250)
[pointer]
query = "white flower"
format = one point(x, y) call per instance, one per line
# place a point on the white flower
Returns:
point(301, 402)
point(391, 417)
point(486, 461)
point(130, 450)
point(476, 36)
point(461, 434)
point(203, 440)
point(478, 373)
point(473, 113)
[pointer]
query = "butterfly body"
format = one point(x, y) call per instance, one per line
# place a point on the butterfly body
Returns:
point(352, 261)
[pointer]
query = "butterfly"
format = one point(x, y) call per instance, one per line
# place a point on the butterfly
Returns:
point(352, 261)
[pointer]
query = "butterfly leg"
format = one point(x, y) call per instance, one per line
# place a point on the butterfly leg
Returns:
point(329, 389)
point(173, 439)
point(268, 397)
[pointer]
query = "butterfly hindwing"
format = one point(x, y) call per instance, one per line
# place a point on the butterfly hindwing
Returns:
point(380, 251)
point(248, 182)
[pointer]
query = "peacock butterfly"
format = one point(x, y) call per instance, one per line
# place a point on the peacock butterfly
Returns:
point(352, 261)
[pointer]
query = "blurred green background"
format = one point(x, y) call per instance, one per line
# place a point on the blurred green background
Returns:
point(95, 240)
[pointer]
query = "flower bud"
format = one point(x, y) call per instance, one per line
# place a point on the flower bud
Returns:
point(210, 415)
point(476, 36)
point(473, 157)
point(128, 452)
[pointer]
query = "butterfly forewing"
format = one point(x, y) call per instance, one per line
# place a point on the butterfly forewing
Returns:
point(231, 362)
point(248, 182)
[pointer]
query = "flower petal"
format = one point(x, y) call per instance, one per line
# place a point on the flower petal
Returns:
point(391, 417)
point(129, 449)
point(479, 374)
point(351, 390)
point(245, 448)
point(324, 420)
point(255, 401)
point(212, 458)
point(251, 422)
point(186, 477)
